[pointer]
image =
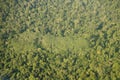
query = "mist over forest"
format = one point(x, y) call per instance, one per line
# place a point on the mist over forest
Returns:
point(59, 39)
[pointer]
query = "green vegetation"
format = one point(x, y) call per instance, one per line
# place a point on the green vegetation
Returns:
point(59, 39)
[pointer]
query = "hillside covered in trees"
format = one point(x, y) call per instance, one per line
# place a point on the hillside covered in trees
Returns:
point(59, 39)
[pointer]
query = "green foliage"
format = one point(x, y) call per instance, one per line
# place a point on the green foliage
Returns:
point(59, 40)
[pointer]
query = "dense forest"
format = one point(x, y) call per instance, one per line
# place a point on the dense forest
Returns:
point(59, 39)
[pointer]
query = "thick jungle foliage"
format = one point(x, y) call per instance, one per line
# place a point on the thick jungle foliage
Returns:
point(59, 39)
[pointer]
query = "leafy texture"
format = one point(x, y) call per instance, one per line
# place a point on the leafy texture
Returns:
point(59, 40)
